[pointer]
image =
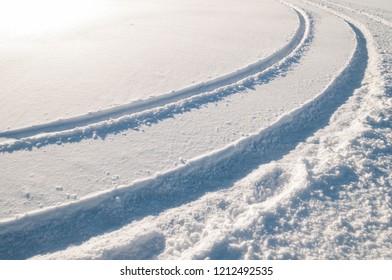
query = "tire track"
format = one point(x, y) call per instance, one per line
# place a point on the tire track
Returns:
point(271, 67)
point(363, 103)
point(58, 227)
point(232, 81)
point(227, 224)
point(368, 15)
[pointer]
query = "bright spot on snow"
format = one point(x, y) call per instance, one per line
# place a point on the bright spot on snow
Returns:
point(24, 17)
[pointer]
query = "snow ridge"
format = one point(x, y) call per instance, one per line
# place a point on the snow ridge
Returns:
point(75, 222)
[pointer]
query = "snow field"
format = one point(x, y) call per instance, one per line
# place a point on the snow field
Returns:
point(124, 51)
point(312, 182)
point(323, 200)
point(174, 147)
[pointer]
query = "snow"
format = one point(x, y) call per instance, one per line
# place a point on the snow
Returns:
point(124, 51)
point(291, 160)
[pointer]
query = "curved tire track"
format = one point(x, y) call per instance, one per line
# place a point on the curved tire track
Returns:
point(229, 81)
point(374, 85)
point(58, 227)
point(368, 15)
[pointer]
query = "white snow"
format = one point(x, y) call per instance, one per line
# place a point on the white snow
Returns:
point(110, 53)
point(286, 160)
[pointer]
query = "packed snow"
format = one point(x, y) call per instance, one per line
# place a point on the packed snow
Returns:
point(191, 130)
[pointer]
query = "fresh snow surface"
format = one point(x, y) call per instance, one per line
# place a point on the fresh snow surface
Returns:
point(282, 156)
point(84, 56)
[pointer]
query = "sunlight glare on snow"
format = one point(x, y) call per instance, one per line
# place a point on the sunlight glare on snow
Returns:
point(24, 17)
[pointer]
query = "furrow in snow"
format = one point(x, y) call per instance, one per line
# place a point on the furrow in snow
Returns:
point(58, 227)
point(327, 199)
point(259, 216)
point(342, 208)
point(288, 56)
point(232, 83)
point(362, 12)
